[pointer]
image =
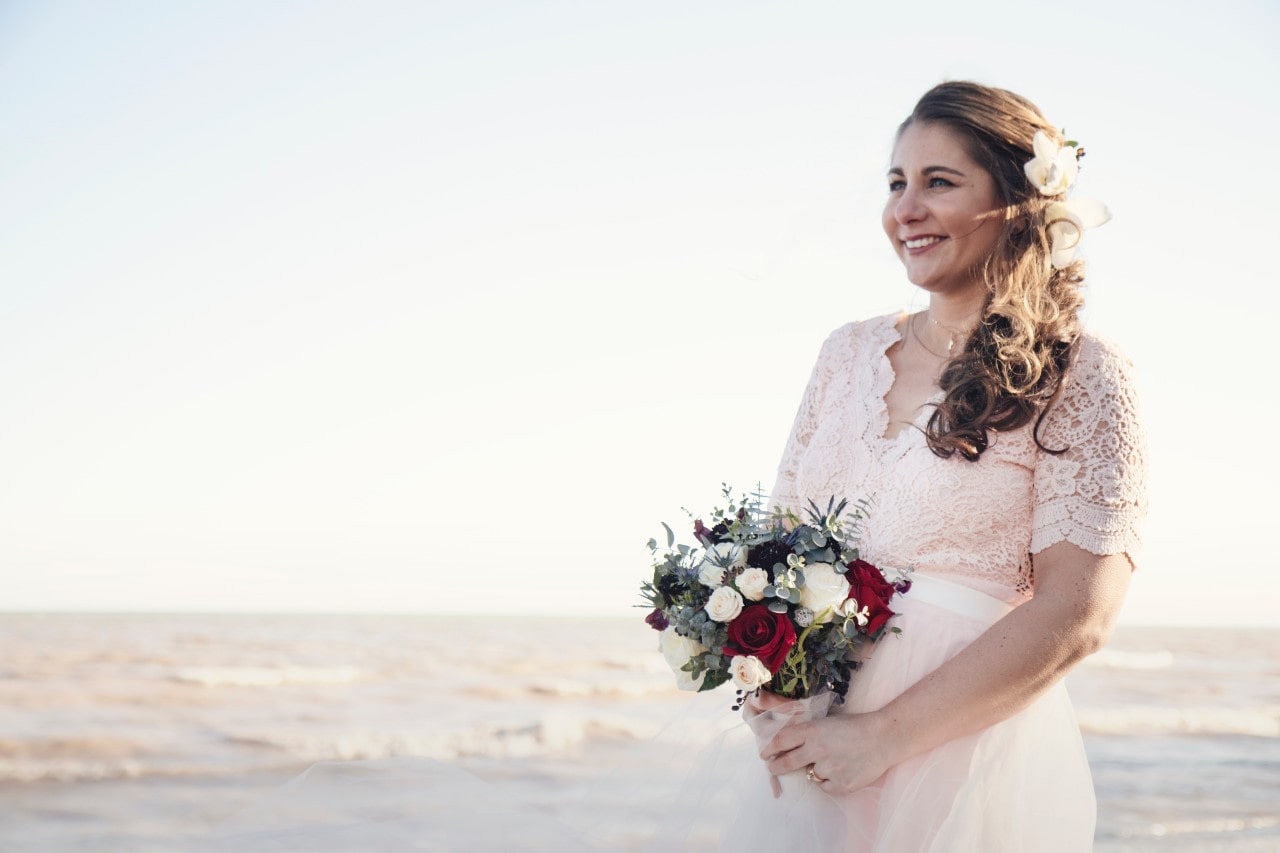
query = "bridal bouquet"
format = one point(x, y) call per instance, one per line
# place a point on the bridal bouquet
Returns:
point(767, 599)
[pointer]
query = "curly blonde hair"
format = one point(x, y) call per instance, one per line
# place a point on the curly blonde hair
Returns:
point(1011, 369)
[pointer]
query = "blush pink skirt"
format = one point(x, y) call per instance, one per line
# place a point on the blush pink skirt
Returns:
point(1020, 785)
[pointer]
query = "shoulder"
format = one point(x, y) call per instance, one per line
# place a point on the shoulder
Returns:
point(1099, 400)
point(1100, 366)
point(859, 332)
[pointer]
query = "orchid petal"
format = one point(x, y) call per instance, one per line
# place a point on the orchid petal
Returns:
point(1090, 212)
point(1065, 230)
point(1063, 252)
point(1043, 146)
point(1066, 160)
point(1054, 168)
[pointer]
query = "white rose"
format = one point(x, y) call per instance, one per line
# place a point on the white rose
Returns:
point(711, 575)
point(728, 554)
point(724, 605)
point(1053, 170)
point(751, 583)
point(824, 589)
point(748, 672)
point(678, 651)
point(721, 556)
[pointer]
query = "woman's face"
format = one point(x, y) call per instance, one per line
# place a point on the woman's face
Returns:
point(943, 215)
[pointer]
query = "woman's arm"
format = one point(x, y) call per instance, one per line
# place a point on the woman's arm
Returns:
point(1077, 598)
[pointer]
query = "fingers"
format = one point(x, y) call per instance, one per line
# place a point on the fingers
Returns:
point(797, 759)
point(768, 699)
point(761, 701)
point(788, 763)
point(787, 738)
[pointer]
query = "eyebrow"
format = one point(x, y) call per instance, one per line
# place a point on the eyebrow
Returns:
point(929, 170)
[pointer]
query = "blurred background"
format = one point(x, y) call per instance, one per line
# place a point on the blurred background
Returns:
point(442, 307)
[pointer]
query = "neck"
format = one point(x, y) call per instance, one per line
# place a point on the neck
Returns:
point(959, 313)
point(947, 323)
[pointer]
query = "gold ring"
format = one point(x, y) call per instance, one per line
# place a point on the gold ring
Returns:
point(814, 777)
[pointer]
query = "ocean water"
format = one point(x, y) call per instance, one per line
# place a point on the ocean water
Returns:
point(125, 732)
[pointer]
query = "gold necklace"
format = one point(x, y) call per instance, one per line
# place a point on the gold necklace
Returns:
point(911, 324)
point(951, 336)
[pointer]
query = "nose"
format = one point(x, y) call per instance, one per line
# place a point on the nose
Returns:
point(908, 207)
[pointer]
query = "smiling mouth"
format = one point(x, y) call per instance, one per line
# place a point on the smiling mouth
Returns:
point(921, 242)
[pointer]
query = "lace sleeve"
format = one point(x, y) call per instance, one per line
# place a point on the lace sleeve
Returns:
point(1095, 494)
point(806, 423)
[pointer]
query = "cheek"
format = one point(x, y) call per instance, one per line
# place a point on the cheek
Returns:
point(890, 223)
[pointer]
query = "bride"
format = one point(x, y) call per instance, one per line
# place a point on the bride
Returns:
point(1002, 447)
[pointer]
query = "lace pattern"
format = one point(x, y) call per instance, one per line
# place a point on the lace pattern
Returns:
point(977, 522)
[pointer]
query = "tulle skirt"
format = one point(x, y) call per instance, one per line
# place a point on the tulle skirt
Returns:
point(1020, 785)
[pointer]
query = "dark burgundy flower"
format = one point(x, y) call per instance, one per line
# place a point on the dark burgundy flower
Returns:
point(867, 586)
point(767, 554)
point(761, 632)
point(670, 586)
point(657, 620)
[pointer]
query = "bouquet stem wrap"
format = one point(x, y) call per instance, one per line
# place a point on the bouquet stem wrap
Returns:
point(795, 786)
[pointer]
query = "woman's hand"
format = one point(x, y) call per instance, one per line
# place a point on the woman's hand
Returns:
point(846, 751)
point(760, 701)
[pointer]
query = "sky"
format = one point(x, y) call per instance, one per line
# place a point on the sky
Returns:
point(444, 307)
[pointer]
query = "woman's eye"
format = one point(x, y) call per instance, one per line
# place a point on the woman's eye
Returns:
point(897, 186)
point(940, 182)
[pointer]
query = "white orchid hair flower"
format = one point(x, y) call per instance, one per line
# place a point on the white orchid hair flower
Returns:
point(1053, 170)
point(1066, 222)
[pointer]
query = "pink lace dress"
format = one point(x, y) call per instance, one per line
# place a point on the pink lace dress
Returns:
point(970, 530)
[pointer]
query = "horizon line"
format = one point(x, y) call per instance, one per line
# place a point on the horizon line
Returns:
point(476, 614)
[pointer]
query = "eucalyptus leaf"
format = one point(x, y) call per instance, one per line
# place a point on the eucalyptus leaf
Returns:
point(671, 535)
point(713, 679)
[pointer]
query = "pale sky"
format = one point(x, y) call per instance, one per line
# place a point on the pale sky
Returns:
point(444, 307)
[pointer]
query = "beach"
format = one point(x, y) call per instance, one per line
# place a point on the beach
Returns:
point(131, 732)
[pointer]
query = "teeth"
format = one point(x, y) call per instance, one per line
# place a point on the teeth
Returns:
point(920, 243)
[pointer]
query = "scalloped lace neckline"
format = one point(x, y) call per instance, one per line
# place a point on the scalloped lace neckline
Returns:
point(886, 376)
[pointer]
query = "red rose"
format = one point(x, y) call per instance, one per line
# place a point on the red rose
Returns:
point(868, 587)
point(761, 632)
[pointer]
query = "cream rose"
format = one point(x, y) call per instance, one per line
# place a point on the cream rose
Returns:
point(678, 651)
point(748, 672)
point(724, 605)
point(824, 589)
point(709, 574)
point(751, 583)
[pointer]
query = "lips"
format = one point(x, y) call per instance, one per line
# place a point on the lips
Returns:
point(921, 242)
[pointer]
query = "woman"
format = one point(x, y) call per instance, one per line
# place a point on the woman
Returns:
point(1001, 448)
